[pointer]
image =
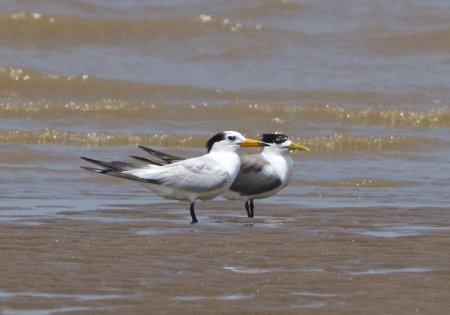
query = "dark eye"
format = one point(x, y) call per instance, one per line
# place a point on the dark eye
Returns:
point(280, 140)
point(232, 138)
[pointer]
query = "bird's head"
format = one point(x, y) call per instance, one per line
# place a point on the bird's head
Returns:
point(281, 142)
point(231, 141)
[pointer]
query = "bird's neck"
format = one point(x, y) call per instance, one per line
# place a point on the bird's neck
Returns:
point(270, 151)
point(231, 159)
point(281, 162)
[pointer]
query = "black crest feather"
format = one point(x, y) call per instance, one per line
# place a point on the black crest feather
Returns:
point(273, 138)
point(218, 137)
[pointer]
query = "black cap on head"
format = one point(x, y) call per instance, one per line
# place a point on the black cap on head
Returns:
point(273, 138)
point(218, 137)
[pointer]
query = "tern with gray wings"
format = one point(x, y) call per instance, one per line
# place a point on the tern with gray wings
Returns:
point(261, 175)
point(203, 177)
point(264, 174)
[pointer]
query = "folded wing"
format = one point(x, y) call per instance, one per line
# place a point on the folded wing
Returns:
point(255, 177)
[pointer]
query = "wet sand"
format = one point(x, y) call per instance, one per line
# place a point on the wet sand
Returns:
point(148, 259)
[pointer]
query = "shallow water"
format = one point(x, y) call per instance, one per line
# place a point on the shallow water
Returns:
point(364, 226)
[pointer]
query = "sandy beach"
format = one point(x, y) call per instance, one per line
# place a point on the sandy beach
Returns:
point(131, 260)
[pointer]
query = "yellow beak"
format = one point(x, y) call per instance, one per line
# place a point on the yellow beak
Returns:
point(253, 143)
point(295, 146)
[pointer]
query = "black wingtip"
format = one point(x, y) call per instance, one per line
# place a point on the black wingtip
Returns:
point(88, 159)
point(95, 170)
point(166, 157)
point(92, 161)
point(148, 150)
point(143, 148)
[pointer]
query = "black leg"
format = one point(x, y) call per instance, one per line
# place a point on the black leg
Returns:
point(248, 209)
point(251, 209)
point(194, 218)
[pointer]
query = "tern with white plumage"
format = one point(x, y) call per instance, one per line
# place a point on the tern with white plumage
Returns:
point(264, 174)
point(203, 177)
point(261, 175)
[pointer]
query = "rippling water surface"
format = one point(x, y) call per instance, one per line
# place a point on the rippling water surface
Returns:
point(363, 84)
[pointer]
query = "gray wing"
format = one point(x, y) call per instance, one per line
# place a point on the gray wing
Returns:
point(196, 175)
point(148, 161)
point(255, 177)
